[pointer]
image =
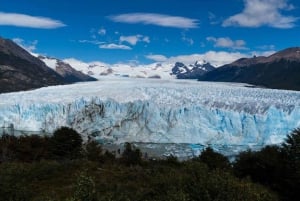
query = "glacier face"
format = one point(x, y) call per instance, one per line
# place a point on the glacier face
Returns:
point(157, 111)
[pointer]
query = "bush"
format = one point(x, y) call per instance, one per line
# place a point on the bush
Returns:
point(85, 188)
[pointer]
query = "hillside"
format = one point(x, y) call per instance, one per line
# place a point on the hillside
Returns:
point(19, 70)
point(280, 70)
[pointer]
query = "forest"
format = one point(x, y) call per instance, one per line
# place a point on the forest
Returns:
point(62, 167)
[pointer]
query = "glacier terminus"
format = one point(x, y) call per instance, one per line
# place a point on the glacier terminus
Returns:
point(157, 111)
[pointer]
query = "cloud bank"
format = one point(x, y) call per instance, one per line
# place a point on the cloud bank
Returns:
point(156, 19)
point(226, 42)
point(21, 20)
point(114, 46)
point(259, 13)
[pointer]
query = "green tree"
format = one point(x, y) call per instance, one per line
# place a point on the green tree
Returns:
point(291, 180)
point(66, 143)
point(265, 166)
point(214, 160)
point(131, 156)
point(8, 147)
point(94, 152)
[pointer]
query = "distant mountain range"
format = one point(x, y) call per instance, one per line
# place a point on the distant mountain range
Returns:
point(19, 70)
point(155, 70)
point(280, 70)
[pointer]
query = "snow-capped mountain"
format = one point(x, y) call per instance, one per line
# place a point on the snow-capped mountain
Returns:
point(65, 70)
point(164, 111)
point(192, 71)
point(154, 70)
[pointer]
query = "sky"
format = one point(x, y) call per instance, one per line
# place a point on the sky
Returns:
point(146, 31)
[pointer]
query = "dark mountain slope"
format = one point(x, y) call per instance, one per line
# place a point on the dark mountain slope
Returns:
point(280, 70)
point(19, 70)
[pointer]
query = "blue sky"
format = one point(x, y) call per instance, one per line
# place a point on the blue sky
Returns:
point(145, 31)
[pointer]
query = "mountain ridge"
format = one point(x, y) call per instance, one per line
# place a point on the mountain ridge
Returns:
point(21, 71)
point(280, 70)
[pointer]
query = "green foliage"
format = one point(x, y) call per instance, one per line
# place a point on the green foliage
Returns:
point(214, 160)
point(8, 148)
point(66, 143)
point(264, 166)
point(13, 182)
point(131, 156)
point(84, 188)
point(24, 148)
point(207, 178)
point(94, 152)
point(275, 167)
point(291, 177)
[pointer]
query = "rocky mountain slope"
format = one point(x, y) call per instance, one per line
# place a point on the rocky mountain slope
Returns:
point(280, 70)
point(19, 70)
point(191, 71)
point(65, 70)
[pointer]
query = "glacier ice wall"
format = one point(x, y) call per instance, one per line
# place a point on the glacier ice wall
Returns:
point(157, 111)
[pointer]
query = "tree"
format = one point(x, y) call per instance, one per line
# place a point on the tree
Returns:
point(131, 156)
point(66, 143)
point(291, 152)
point(94, 151)
point(265, 166)
point(214, 160)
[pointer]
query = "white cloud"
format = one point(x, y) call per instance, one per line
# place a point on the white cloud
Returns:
point(215, 58)
point(263, 53)
point(114, 46)
point(227, 42)
point(190, 41)
point(266, 47)
point(259, 13)
point(102, 32)
point(146, 39)
point(213, 18)
point(156, 19)
point(21, 20)
point(132, 40)
point(95, 42)
point(157, 57)
point(29, 46)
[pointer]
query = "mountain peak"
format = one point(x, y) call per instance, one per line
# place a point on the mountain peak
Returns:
point(291, 54)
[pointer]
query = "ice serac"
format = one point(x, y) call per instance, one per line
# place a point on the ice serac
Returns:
point(157, 111)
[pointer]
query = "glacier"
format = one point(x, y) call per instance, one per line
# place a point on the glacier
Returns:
point(157, 111)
